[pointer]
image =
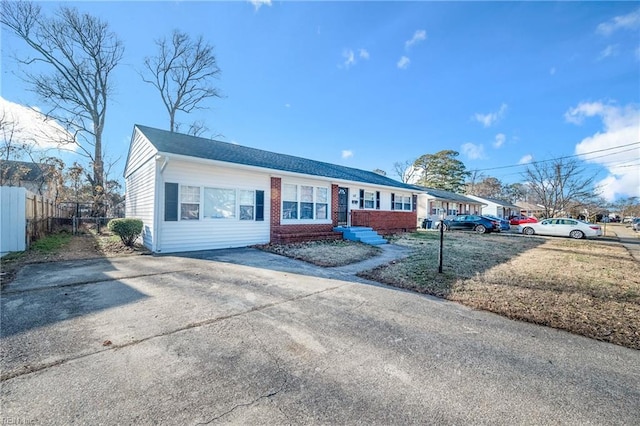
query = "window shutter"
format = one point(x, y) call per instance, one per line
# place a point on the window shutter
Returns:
point(414, 200)
point(170, 202)
point(378, 200)
point(259, 206)
point(362, 198)
point(393, 200)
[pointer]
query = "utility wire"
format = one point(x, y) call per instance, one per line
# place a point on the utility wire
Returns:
point(564, 157)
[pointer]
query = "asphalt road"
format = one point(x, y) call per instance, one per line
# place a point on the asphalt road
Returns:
point(246, 337)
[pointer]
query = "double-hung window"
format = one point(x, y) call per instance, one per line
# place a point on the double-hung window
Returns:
point(247, 201)
point(322, 203)
point(305, 202)
point(400, 202)
point(189, 202)
point(369, 199)
point(289, 201)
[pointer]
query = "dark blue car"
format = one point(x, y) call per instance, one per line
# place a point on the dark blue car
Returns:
point(471, 222)
point(504, 223)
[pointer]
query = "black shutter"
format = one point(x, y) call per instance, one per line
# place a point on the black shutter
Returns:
point(415, 203)
point(259, 206)
point(393, 200)
point(362, 198)
point(378, 200)
point(170, 202)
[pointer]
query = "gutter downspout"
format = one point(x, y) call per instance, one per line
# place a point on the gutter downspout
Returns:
point(155, 247)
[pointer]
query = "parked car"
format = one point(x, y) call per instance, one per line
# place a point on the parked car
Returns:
point(504, 223)
point(636, 224)
point(470, 222)
point(517, 220)
point(562, 227)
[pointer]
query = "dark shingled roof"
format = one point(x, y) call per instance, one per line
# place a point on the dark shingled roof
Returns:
point(26, 172)
point(192, 146)
point(445, 195)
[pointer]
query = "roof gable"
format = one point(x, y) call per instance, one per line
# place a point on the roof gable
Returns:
point(498, 201)
point(446, 195)
point(192, 146)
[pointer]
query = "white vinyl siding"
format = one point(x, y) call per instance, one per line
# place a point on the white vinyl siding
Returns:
point(222, 223)
point(139, 201)
point(140, 152)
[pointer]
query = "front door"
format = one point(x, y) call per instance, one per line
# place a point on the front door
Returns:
point(343, 206)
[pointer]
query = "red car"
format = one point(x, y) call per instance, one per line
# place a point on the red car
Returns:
point(517, 220)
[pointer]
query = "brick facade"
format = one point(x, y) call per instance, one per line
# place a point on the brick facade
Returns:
point(305, 232)
point(385, 222)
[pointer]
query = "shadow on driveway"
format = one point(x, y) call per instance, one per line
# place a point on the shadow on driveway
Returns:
point(46, 293)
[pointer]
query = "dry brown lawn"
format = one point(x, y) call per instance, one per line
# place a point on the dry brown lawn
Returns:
point(582, 286)
point(324, 253)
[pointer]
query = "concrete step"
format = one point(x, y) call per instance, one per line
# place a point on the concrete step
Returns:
point(362, 234)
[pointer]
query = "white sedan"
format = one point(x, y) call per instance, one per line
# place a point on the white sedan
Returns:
point(561, 227)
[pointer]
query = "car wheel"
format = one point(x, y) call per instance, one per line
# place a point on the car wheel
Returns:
point(480, 229)
point(576, 234)
point(528, 231)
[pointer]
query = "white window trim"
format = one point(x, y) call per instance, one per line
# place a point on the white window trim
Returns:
point(298, 221)
point(397, 196)
point(202, 218)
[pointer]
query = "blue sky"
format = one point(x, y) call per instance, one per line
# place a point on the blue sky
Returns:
point(367, 84)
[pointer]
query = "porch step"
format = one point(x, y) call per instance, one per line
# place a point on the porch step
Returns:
point(362, 234)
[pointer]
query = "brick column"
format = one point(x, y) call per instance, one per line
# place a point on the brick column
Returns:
point(334, 205)
point(276, 198)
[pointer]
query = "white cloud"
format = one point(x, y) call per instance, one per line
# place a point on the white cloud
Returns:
point(489, 119)
point(350, 58)
point(526, 159)
point(32, 128)
point(621, 126)
point(500, 140)
point(623, 22)
point(403, 63)
point(610, 50)
point(347, 153)
point(418, 36)
point(287, 105)
point(473, 151)
point(257, 4)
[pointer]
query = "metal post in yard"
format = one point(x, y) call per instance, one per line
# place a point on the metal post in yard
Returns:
point(441, 246)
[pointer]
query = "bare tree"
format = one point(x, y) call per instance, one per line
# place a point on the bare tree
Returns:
point(81, 53)
point(559, 185)
point(182, 71)
point(196, 128)
point(405, 171)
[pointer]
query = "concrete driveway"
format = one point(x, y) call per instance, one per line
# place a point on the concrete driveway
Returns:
point(246, 337)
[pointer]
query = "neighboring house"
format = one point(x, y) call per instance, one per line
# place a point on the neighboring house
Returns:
point(497, 207)
point(434, 204)
point(194, 194)
point(528, 209)
point(34, 177)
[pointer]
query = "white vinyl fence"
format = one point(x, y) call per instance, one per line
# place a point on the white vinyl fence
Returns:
point(13, 219)
point(24, 217)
